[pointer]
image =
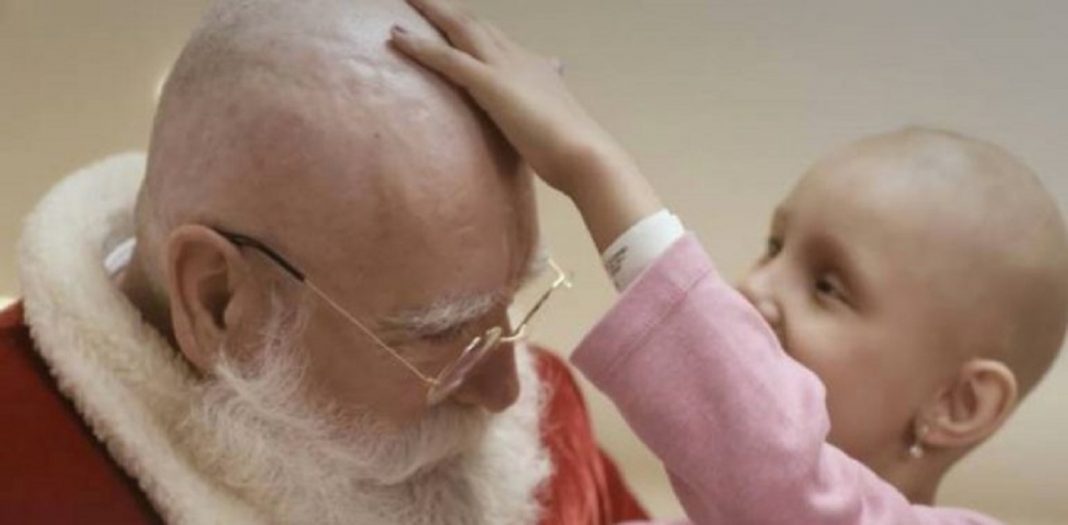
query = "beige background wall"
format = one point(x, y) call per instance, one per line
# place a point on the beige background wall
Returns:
point(723, 102)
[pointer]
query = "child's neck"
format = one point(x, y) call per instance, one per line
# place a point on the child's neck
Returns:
point(924, 494)
point(918, 480)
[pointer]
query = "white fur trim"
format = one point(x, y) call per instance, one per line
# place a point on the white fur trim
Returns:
point(122, 376)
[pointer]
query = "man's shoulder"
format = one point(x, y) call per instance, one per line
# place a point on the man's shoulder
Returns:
point(563, 402)
point(11, 319)
point(586, 488)
point(553, 370)
point(564, 405)
point(17, 355)
point(54, 469)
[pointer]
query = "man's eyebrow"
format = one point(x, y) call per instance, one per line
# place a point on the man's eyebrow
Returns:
point(441, 316)
point(449, 314)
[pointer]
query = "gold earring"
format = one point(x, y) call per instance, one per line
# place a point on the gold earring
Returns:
point(916, 451)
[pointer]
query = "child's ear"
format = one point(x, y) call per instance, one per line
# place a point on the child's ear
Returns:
point(971, 407)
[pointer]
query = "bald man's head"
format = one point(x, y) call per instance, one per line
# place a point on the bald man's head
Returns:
point(295, 123)
point(291, 106)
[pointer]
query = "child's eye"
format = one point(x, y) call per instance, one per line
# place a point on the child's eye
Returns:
point(827, 286)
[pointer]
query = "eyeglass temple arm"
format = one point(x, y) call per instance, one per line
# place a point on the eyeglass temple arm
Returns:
point(244, 240)
point(367, 331)
point(561, 280)
point(518, 334)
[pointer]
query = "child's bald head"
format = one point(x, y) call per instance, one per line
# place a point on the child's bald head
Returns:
point(923, 276)
point(999, 255)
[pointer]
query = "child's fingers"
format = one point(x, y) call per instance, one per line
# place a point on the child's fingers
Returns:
point(460, 67)
point(463, 29)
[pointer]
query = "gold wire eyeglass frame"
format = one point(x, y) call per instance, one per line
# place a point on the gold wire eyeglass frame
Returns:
point(446, 382)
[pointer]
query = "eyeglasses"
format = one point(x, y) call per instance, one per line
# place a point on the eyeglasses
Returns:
point(446, 382)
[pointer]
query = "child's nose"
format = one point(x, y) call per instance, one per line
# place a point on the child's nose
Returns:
point(757, 289)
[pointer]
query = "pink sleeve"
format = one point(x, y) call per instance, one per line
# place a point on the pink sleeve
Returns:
point(740, 426)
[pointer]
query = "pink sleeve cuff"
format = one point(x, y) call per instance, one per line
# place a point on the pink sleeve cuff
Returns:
point(680, 267)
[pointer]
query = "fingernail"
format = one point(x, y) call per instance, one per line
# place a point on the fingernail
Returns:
point(399, 30)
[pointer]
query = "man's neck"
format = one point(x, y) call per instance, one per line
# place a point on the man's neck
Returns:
point(135, 285)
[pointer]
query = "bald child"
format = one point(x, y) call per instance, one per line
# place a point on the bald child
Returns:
point(914, 290)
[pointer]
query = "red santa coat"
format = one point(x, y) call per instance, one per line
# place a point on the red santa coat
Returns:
point(53, 469)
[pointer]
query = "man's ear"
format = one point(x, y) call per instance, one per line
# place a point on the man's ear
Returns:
point(209, 291)
point(969, 409)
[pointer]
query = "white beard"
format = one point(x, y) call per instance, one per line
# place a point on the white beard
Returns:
point(252, 428)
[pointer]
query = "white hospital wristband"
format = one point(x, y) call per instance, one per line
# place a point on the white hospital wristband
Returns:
point(633, 252)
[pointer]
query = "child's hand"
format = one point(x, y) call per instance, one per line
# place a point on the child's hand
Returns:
point(521, 91)
point(526, 97)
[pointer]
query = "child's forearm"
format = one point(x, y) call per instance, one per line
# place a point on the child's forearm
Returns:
point(610, 193)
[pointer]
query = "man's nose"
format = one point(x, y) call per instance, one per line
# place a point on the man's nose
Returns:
point(758, 288)
point(493, 384)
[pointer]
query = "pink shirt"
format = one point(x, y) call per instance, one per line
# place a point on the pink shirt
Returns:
point(740, 426)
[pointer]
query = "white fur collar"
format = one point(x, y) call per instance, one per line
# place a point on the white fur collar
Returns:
point(120, 373)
